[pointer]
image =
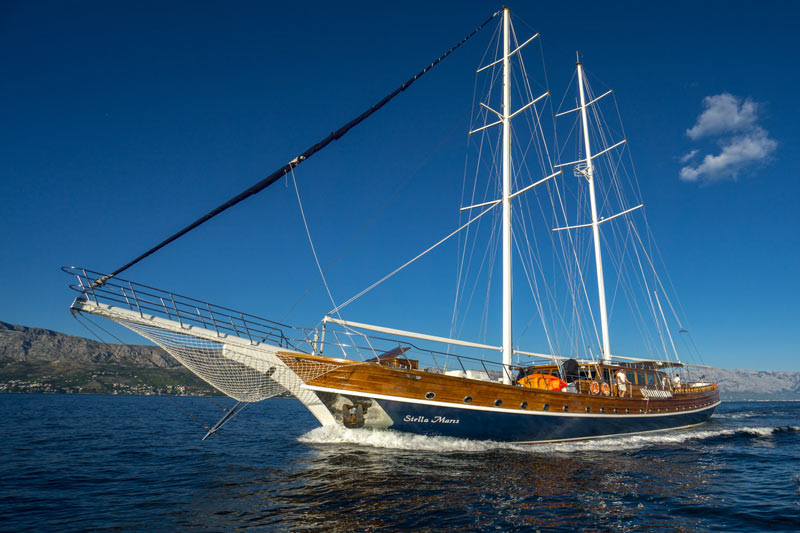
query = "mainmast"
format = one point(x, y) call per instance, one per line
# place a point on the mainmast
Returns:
point(598, 257)
point(508, 349)
point(505, 119)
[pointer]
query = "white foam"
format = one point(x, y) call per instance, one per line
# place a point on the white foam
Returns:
point(388, 439)
point(399, 441)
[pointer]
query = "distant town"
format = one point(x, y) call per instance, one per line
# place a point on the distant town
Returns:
point(36, 360)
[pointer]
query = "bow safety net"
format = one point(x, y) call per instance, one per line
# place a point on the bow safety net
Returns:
point(247, 373)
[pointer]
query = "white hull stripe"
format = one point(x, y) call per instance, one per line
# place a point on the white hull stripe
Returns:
point(570, 414)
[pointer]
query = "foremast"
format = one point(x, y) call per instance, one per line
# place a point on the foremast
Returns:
point(508, 349)
point(598, 256)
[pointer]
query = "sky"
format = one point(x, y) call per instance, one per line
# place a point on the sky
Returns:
point(122, 123)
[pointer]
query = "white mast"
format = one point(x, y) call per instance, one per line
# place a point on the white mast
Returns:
point(598, 258)
point(507, 285)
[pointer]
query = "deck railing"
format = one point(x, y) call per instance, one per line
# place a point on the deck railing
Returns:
point(346, 342)
point(150, 301)
point(146, 300)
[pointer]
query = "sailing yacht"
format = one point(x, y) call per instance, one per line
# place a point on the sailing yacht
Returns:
point(360, 375)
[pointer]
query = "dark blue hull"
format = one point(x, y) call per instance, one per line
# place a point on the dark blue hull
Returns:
point(519, 427)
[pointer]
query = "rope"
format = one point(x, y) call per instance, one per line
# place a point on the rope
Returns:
point(404, 265)
point(77, 317)
point(285, 169)
point(311, 242)
point(313, 249)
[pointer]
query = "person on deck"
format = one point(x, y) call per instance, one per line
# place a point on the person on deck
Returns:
point(676, 381)
point(622, 382)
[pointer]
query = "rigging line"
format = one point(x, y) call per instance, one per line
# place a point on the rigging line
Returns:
point(579, 280)
point(98, 326)
point(313, 249)
point(491, 253)
point(462, 252)
point(378, 213)
point(644, 281)
point(466, 261)
point(533, 286)
point(239, 416)
point(398, 269)
point(658, 278)
point(207, 428)
point(463, 239)
point(310, 241)
point(285, 169)
point(76, 317)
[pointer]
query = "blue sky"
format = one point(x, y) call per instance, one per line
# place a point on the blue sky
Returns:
point(123, 123)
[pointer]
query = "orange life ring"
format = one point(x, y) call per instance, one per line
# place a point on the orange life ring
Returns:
point(594, 387)
point(606, 388)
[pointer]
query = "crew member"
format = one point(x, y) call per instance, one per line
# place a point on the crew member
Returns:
point(622, 382)
point(676, 381)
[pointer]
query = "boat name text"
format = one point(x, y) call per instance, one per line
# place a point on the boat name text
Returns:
point(435, 420)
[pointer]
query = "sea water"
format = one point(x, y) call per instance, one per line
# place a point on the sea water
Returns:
point(138, 463)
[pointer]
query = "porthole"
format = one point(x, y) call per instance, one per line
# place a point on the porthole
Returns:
point(650, 410)
point(588, 409)
point(616, 410)
point(498, 402)
point(430, 395)
point(627, 411)
point(546, 407)
point(641, 410)
point(566, 408)
point(467, 399)
point(667, 409)
point(602, 409)
point(523, 405)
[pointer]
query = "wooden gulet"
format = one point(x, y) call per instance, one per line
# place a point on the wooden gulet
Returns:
point(420, 389)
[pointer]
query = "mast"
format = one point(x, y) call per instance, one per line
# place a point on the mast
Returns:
point(507, 285)
point(598, 257)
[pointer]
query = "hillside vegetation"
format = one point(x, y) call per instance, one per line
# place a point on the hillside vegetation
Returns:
point(41, 360)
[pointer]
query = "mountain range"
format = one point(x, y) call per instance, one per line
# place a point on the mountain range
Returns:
point(41, 360)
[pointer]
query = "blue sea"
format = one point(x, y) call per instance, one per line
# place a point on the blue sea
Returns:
point(81, 462)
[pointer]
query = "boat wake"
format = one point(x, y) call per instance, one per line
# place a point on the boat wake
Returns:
point(388, 439)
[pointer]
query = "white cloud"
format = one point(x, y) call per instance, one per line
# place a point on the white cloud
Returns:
point(737, 153)
point(724, 113)
point(689, 156)
point(733, 123)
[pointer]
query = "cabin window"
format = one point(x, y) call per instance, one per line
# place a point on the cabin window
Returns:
point(606, 374)
point(651, 380)
point(630, 376)
point(467, 399)
point(546, 407)
point(640, 378)
point(498, 402)
point(523, 405)
point(430, 395)
point(588, 409)
point(566, 408)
